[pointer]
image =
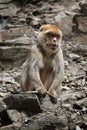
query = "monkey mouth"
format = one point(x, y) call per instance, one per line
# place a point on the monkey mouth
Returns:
point(52, 46)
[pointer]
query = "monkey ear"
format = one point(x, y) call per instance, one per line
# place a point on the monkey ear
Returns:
point(41, 29)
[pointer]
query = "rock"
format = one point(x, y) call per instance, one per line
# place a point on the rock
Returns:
point(3, 94)
point(68, 2)
point(15, 44)
point(64, 22)
point(14, 115)
point(7, 7)
point(15, 51)
point(83, 6)
point(68, 96)
point(81, 48)
point(5, 1)
point(78, 107)
point(24, 117)
point(74, 116)
point(74, 56)
point(4, 119)
point(71, 126)
point(81, 24)
point(82, 102)
point(9, 127)
point(46, 121)
point(77, 127)
point(68, 106)
point(48, 105)
point(6, 78)
point(65, 88)
point(13, 54)
point(2, 106)
point(66, 63)
point(35, 23)
point(84, 125)
point(24, 101)
point(73, 70)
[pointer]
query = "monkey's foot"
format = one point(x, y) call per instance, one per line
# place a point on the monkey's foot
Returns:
point(53, 99)
point(53, 96)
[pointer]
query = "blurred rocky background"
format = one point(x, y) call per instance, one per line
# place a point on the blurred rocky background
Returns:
point(19, 24)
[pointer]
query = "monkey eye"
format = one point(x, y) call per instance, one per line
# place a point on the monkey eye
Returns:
point(51, 34)
point(58, 36)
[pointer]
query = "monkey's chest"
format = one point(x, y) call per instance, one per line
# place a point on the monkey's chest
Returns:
point(46, 76)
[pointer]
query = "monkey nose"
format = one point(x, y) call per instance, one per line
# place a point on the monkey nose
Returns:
point(54, 41)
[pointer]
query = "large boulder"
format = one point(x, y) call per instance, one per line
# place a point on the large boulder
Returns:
point(81, 24)
point(64, 22)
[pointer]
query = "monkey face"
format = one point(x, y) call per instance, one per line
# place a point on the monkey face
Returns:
point(52, 41)
point(50, 38)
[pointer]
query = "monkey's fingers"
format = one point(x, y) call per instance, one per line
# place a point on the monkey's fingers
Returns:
point(41, 93)
point(53, 96)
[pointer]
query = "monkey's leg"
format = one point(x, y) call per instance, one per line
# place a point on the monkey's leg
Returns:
point(25, 80)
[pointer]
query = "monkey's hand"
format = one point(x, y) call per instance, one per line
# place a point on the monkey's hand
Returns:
point(42, 91)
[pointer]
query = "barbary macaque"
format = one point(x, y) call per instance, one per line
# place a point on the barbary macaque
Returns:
point(44, 68)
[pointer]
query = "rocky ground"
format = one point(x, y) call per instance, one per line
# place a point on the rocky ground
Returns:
point(19, 24)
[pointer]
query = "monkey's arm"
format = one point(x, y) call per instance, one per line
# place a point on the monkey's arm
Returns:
point(58, 75)
point(30, 78)
point(35, 80)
